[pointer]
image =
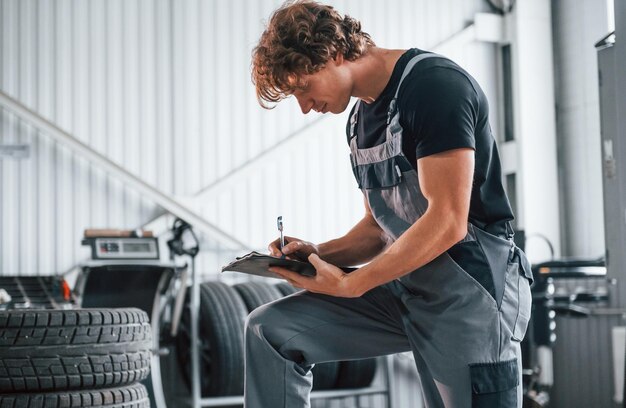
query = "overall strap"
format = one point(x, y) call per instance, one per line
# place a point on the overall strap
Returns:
point(392, 106)
point(407, 71)
point(354, 118)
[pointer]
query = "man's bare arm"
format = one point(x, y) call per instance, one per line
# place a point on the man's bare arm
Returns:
point(361, 244)
point(446, 182)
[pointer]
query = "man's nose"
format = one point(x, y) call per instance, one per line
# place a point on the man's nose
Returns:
point(305, 105)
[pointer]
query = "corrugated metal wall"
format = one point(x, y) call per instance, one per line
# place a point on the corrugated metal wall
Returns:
point(162, 88)
point(93, 69)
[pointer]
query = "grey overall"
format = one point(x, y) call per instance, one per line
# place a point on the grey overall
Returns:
point(465, 339)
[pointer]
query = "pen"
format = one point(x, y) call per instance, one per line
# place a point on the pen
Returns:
point(279, 221)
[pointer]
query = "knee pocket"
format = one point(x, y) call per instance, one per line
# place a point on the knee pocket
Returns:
point(494, 385)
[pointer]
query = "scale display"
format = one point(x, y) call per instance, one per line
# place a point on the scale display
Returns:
point(125, 248)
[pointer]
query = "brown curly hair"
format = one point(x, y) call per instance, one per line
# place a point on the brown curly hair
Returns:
point(300, 38)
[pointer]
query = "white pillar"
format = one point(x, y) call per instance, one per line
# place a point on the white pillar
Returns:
point(530, 31)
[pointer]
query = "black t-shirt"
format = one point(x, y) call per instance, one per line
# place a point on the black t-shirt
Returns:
point(442, 108)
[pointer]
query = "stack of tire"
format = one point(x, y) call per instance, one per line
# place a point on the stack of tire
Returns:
point(74, 358)
point(223, 310)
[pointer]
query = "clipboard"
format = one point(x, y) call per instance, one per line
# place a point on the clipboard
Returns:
point(256, 263)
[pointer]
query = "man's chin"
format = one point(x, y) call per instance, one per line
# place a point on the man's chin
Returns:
point(340, 109)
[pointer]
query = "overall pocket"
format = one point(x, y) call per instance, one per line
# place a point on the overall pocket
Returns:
point(494, 385)
point(382, 174)
point(524, 303)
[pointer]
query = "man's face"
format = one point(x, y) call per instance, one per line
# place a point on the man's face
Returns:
point(327, 90)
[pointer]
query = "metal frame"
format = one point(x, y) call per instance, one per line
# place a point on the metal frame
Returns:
point(155, 321)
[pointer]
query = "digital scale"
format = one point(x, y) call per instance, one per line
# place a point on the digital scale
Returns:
point(125, 245)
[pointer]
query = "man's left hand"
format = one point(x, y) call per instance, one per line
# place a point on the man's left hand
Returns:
point(329, 280)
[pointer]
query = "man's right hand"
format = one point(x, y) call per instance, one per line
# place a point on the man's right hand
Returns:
point(294, 249)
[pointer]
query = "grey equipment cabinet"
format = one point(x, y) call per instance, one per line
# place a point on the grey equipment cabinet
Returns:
point(612, 79)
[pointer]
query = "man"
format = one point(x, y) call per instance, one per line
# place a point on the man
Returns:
point(444, 278)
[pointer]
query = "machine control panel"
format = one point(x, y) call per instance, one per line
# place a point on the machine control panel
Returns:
point(125, 248)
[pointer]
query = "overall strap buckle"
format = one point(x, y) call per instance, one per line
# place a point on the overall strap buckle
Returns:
point(354, 117)
point(391, 110)
point(409, 67)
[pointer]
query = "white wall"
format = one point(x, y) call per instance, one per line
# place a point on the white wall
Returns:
point(578, 25)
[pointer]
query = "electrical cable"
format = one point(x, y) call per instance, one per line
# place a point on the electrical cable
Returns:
point(176, 243)
point(504, 7)
point(545, 239)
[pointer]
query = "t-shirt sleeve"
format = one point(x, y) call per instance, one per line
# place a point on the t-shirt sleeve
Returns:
point(438, 111)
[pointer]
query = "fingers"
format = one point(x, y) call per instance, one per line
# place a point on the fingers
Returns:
point(289, 276)
point(273, 248)
point(292, 247)
point(293, 283)
point(319, 264)
point(316, 260)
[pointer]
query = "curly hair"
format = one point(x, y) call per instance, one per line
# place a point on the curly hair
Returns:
point(300, 38)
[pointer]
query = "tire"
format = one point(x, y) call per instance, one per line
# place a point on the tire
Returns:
point(286, 289)
point(255, 294)
point(222, 314)
point(131, 396)
point(325, 375)
point(59, 350)
point(356, 373)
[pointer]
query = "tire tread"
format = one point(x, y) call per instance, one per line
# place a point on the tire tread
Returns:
point(57, 350)
point(131, 396)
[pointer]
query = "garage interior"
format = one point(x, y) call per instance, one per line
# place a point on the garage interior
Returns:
point(134, 124)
